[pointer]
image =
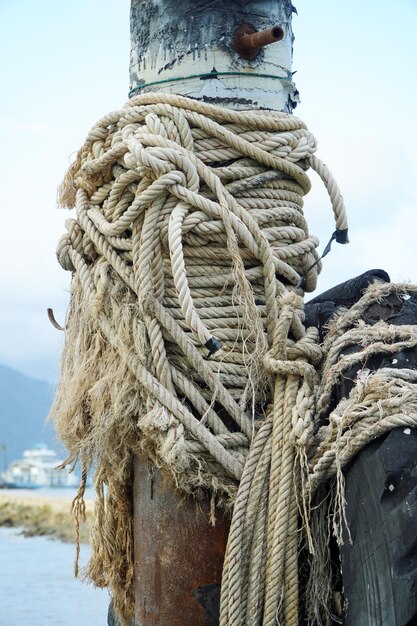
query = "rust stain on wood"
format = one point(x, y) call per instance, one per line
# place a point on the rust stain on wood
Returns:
point(178, 555)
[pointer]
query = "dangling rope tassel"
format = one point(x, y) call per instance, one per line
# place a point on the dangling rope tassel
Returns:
point(78, 511)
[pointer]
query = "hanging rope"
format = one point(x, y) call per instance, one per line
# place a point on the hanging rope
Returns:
point(184, 338)
point(289, 459)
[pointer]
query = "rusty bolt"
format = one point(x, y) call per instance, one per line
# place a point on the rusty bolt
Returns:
point(247, 41)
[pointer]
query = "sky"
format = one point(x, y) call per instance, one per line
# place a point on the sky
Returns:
point(65, 64)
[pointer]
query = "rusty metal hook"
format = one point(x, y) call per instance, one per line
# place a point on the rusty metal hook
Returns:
point(247, 41)
point(53, 321)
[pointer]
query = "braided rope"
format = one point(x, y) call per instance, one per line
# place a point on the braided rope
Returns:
point(136, 187)
point(288, 460)
point(186, 321)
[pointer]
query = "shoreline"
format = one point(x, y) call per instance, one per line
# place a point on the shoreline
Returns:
point(40, 515)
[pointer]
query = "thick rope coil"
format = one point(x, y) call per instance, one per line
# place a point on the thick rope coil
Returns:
point(185, 325)
point(186, 319)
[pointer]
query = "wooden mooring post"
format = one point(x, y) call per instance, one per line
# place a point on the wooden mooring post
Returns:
point(235, 54)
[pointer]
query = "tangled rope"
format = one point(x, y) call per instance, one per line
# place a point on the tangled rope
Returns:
point(184, 338)
point(290, 458)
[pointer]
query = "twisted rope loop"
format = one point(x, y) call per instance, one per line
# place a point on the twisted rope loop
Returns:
point(185, 323)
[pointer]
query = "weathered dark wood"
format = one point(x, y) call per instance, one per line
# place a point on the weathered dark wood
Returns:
point(379, 567)
point(178, 555)
point(320, 310)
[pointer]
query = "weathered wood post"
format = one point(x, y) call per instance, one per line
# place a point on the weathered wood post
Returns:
point(189, 48)
point(208, 51)
point(378, 556)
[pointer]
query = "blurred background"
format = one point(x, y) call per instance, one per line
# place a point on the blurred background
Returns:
point(64, 65)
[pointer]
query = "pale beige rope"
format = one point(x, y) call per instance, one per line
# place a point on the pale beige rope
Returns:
point(190, 229)
point(186, 216)
point(260, 574)
point(161, 165)
point(260, 584)
point(379, 401)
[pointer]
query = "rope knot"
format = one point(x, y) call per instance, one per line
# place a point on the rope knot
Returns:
point(286, 368)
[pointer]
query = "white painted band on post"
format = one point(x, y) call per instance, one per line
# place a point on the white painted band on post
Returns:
point(173, 41)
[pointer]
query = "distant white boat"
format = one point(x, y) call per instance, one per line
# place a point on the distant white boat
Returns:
point(38, 468)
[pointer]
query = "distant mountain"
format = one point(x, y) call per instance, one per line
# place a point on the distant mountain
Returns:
point(24, 406)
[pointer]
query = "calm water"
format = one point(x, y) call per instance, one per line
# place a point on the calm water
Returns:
point(37, 586)
point(48, 492)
